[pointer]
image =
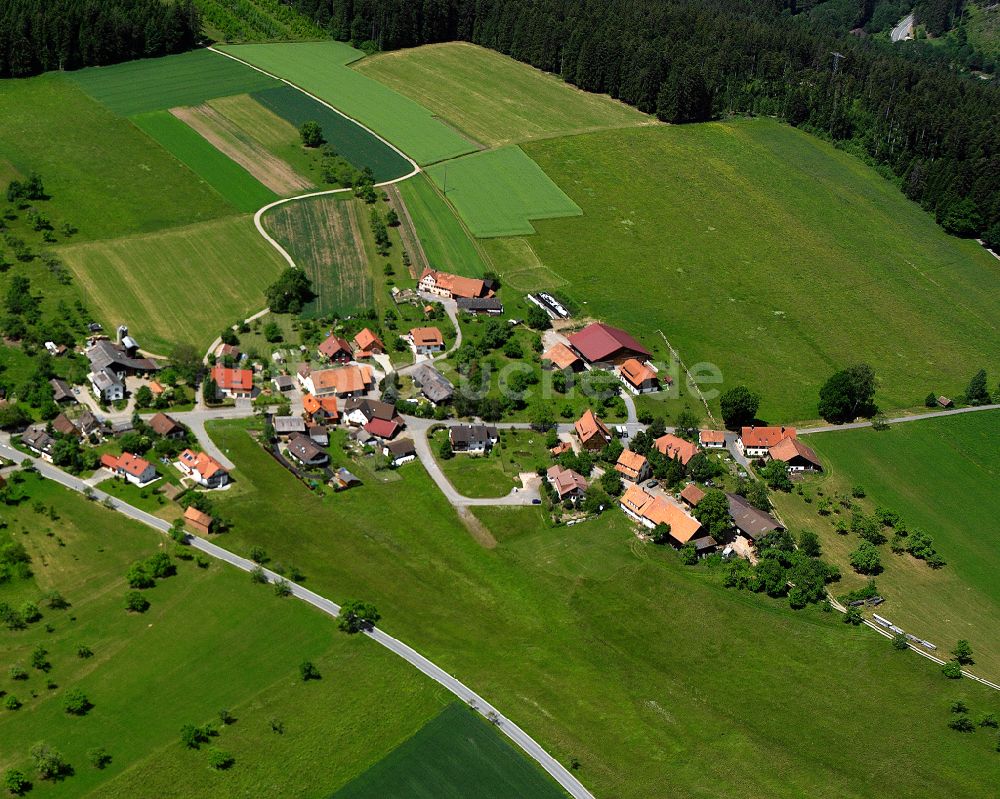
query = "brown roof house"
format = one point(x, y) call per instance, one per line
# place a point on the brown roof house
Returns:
point(592, 431)
point(336, 348)
point(567, 483)
point(307, 452)
point(692, 495)
point(712, 439)
point(165, 426)
point(795, 455)
point(425, 340)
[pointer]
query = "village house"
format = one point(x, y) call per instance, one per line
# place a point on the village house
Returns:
point(203, 468)
point(692, 495)
point(62, 425)
point(90, 424)
point(603, 344)
point(198, 521)
point(443, 284)
point(676, 448)
point(111, 363)
point(61, 391)
point(567, 483)
point(752, 523)
point(319, 434)
point(106, 386)
point(796, 456)
point(307, 452)
point(756, 442)
point(639, 378)
point(400, 452)
point(367, 345)
point(476, 439)
point(560, 448)
point(651, 511)
point(233, 383)
point(136, 470)
point(321, 409)
point(425, 340)
point(490, 306)
point(155, 388)
point(633, 466)
point(593, 433)
point(283, 383)
point(366, 412)
point(562, 358)
point(347, 381)
point(337, 349)
point(712, 439)
point(228, 352)
point(39, 441)
point(435, 387)
point(167, 427)
point(287, 426)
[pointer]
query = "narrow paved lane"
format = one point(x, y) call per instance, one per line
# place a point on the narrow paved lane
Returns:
point(913, 417)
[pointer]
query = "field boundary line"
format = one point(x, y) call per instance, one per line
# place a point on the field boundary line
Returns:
point(451, 683)
point(690, 379)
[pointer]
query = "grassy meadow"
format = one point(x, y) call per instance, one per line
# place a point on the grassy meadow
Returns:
point(105, 177)
point(351, 141)
point(454, 756)
point(321, 69)
point(237, 186)
point(181, 285)
point(494, 475)
point(210, 640)
point(767, 252)
point(611, 652)
point(493, 99)
point(500, 192)
point(156, 84)
point(445, 242)
point(941, 476)
point(324, 236)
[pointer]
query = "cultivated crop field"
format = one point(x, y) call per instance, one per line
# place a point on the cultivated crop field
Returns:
point(492, 98)
point(762, 250)
point(156, 84)
point(104, 176)
point(240, 189)
point(321, 68)
point(454, 756)
point(181, 285)
point(210, 640)
point(324, 237)
point(500, 192)
point(941, 476)
point(615, 654)
point(255, 20)
point(444, 240)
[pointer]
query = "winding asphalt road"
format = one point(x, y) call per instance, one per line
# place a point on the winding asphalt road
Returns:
point(527, 744)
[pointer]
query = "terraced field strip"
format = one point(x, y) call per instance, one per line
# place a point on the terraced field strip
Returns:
point(445, 241)
point(235, 143)
point(180, 285)
point(408, 233)
point(157, 84)
point(324, 237)
point(493, 98)
point(499, 192)
point(241, 189)
point(321, 69)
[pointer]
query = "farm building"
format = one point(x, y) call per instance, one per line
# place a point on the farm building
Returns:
point(795, 455)
point(490, 306)
point(425, 340)
point(287, 426)
point(561, 357)
point(400, 452)
point(474, 438)
point(751, 522)
point(233, 383)
point(443, 284)
point(638, 378)
point(601, 343)
point(432, 384)
point(755, 442)
point(198, 521)
point(651, 511)
point(712, 439)
point(367, 345)
point(61, 391)
point(592, 431)
point(675, 447)
point(692, 495)
point(335, 348)
point(567, 483)
point(633, 466)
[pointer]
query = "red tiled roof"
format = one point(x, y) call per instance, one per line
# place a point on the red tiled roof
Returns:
point(427, 337)
point(201, 462)
point(692, 494)
point(712, 436)
point(333, 346)
point(382, 428)
point(765, 436)
point(788, 448)
point(588, 426)
point(675, 447)
point(232, 379)
point(367, 341)
point(561, 356)
point(312, 404)
point(630, 463)
point(637, 373)
point(346, 380)
point(598, 342)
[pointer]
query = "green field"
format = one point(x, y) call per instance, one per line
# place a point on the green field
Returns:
point(941, 476)
point(349, 140)
point(457, 755)
point(239, 188)
point(210, 640)
point(492, 98)
point(324, 236)
point(104, 176)
point(156, 84)
point(321, 68)
point(255, 21)
point(611, 652)
point(770, 254)
point(181, 285)
point(444, 240)
point(499, 192)
point(494, 475)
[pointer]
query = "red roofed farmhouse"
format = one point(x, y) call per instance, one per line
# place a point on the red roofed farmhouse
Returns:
point(755, 442)
point(638, 378)
point(234, 383)
point(336, 348)
point(592, 431)
point(451, 286)
point(795, 455)
point(601, 343)
point(675, 447)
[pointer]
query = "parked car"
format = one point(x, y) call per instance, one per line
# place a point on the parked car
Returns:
point(536, 502)
point(651, 484)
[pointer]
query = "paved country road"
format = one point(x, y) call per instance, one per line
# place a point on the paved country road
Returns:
point(528, 744)
point(913, 417)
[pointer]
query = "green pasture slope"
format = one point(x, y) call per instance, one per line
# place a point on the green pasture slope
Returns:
point(769, 253)
point(940, 475)
point(493, 98)
point(455, 756)
point(210, 640)
point(499, 192)
point(655, 677)
point(321, 69)
point(350, 140)
point(156, 84)
point(445, 241)
point(239, 188)
point(104, 176)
